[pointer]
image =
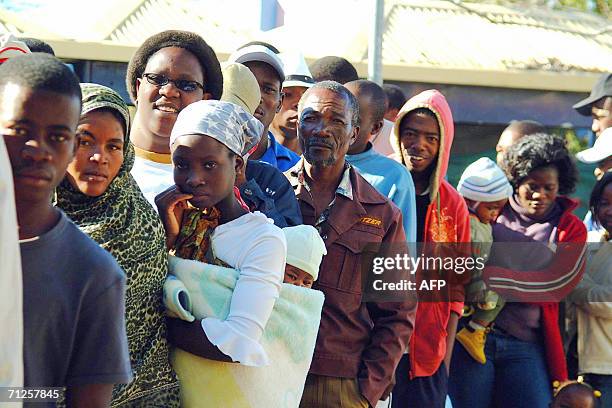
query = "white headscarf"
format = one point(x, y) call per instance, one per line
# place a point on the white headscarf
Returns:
point(228, 123)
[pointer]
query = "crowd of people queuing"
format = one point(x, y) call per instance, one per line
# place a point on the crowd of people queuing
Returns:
point(289, 175)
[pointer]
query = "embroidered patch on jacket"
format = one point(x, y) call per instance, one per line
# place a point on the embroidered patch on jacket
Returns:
point(376, 222)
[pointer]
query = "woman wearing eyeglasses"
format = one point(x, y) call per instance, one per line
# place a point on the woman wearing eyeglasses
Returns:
point(169, 71)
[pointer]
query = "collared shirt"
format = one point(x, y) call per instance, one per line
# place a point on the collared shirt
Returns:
point(391, 179)
point(345, 188)
point(278, 155)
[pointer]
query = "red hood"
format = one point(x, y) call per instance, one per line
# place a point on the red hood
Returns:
point(433, 100)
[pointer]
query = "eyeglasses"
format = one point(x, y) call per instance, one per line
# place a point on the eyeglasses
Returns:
point(182, 84)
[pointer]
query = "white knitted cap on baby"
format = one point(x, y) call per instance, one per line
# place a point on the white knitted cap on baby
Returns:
point(305, 248)
point(484, 181)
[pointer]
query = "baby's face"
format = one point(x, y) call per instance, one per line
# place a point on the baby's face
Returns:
point(575, 398)
point(487, 212)
point(297, 277)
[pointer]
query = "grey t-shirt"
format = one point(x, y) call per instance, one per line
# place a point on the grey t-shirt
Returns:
point(74, 311)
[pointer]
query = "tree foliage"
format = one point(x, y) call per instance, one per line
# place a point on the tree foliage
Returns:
point(601, 7)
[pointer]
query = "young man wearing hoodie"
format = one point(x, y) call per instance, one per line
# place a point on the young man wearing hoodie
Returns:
point(422, 139)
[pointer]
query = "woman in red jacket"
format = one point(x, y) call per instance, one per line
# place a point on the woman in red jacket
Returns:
point(538, 264)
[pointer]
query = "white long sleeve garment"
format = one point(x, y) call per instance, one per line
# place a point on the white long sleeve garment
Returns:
point(254, 246)
point(11, 291)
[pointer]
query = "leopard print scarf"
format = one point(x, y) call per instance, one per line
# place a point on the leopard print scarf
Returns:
point(124, 223)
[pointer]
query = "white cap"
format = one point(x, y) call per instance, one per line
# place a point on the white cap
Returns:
point(601, 150)
point(11, 47)
point(484, 181)
point(261, 54)
point(296, 70)
point(305, 248)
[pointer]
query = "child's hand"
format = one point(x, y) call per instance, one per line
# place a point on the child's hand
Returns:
point(171, 204)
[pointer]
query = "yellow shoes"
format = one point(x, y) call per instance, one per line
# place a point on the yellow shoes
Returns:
point(474, 343)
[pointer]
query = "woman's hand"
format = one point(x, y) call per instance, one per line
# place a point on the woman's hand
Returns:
point(171, 204)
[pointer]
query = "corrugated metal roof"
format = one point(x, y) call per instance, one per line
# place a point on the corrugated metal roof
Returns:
point(492, 37)
point(153, 16)
point(429, 41)
point(14, 23)
point(8, 27)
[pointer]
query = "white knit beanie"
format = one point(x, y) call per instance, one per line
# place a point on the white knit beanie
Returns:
point(305, 248)
point(484, 181)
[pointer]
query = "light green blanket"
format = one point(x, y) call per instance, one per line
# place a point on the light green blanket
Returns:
point(198, 290)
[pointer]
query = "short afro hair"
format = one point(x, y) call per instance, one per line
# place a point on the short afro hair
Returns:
point(378, 100)
point(598, 189)
point(523, 128)
point(36, 45)
point(536, 151)
point(40, 72)
point(577, 387)
point(213, 78)
point(339, 89)
point(333, 69)
point(395, 96)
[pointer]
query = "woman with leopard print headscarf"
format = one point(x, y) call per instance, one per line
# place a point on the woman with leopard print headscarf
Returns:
point(101, 197)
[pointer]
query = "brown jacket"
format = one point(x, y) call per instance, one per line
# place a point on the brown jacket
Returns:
point(356, 340)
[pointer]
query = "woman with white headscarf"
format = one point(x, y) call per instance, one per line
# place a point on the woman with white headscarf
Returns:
point(205, 220)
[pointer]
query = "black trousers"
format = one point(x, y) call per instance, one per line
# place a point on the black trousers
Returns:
point(420, 392)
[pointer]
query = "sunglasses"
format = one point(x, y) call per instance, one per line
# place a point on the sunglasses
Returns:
point(182, 84)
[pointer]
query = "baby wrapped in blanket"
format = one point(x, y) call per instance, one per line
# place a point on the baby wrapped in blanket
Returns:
point(288, 338)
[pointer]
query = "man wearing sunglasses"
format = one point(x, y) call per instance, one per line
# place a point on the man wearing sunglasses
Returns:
point(169, 71)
